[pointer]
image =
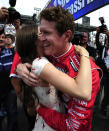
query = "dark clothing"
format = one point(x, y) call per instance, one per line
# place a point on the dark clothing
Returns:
point(6, 58)
point(105, 101)
point(10, 106)
point(105, 81)
point(92, 51)
point(101, 61)
point(8, 98)
point(99, 45)
point(31, 119)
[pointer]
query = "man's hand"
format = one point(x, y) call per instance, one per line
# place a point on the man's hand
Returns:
point(3, 12)
point(28, 77)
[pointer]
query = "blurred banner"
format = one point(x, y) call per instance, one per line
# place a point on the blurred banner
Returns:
point(79, 8)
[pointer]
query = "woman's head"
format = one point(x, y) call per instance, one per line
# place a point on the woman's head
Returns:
point(27, 42)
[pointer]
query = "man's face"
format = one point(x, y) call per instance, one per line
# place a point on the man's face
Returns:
point(53, 43)
point(84, 38)
point(2, 40)
point(16, 24)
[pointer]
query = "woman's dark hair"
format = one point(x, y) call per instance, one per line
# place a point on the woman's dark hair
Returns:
point(26, 38)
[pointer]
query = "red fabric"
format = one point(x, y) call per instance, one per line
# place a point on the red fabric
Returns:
point(16, 61)
point(56, 121)
point(80, 112)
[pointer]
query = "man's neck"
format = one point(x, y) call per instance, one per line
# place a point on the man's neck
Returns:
point(68, 47)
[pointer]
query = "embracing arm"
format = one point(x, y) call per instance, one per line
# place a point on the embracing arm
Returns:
point(80, 87)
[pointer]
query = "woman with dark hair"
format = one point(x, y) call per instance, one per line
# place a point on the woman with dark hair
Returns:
point(29, 48)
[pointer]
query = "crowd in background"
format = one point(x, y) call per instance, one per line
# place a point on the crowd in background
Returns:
point(8, 97)
point(99, 52)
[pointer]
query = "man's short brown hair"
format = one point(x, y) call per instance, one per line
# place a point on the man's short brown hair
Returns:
point(63, 18)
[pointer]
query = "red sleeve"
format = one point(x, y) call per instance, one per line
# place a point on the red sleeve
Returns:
point(16, 61)
point(54, 119)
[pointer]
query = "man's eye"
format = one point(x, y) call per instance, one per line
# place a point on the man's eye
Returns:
point(46, 32)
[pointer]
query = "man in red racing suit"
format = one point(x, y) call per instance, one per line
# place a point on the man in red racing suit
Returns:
point(80, 112)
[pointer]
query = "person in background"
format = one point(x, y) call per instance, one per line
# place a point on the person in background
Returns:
point(57, 30)
point(15, 79)
point(84, 42)
point(103, 62)
point(8, 98)
point(93, 54)
point(17, 21)
point(17, 24)
point(9, 40)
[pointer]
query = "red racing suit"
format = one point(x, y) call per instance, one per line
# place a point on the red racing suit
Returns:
point(80, 112)
point(16, 61)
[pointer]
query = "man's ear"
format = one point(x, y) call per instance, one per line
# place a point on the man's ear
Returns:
point(68, 35)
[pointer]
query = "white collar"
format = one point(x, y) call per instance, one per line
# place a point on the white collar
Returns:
point(65, 52)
